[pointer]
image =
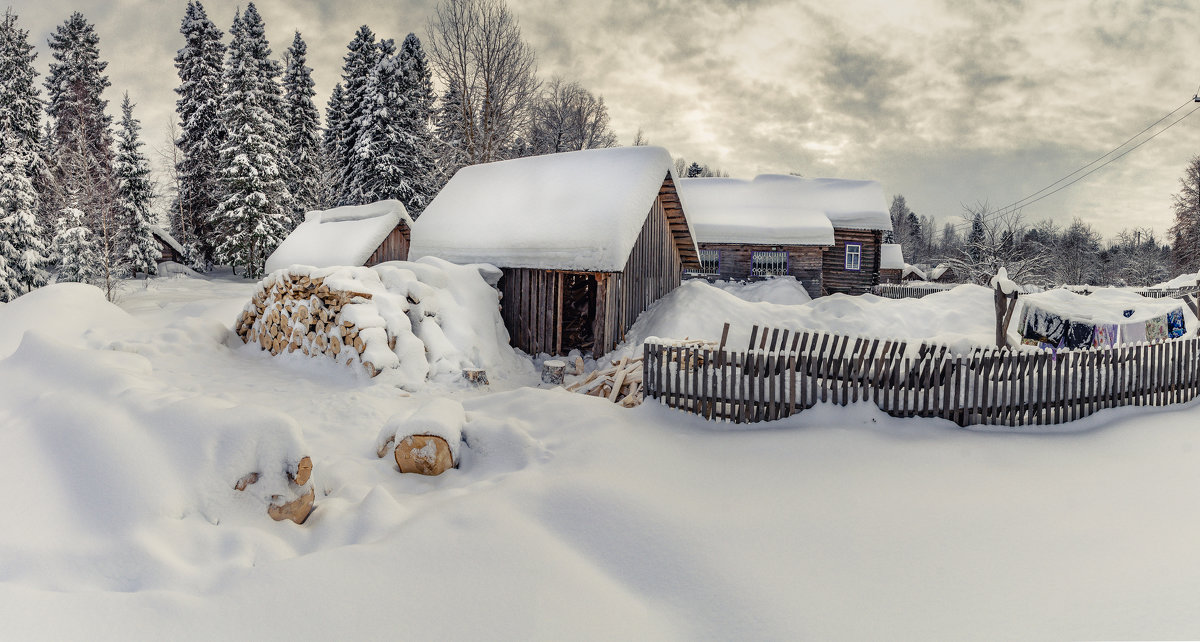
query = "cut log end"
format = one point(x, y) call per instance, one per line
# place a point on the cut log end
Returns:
point(477, 376)
point(553, 372)
point(296, 510)
point(424, 455)
point(303, 471)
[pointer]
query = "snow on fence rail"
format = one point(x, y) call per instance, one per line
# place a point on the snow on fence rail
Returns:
point(989, 386)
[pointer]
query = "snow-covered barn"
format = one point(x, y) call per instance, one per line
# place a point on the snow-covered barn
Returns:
point(826, 232)
point(891, 263)
point(586, 240)
point(352, 235)
point(169, 249)
point(942, 273)
point(757, 228)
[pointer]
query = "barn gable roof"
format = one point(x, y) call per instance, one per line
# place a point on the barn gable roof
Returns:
point(340, 236)
point(166, 237)
point(570, 211)
point(849, 204)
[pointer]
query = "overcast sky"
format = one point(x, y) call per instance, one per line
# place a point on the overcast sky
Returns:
point(947, 102)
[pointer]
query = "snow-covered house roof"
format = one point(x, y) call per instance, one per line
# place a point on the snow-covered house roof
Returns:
point(340, 236)
point(732, 210)
point(939, 271)
point(891, 257)
point(166, 237)
point(571, 211)
point(849, 204)
point(912, 271)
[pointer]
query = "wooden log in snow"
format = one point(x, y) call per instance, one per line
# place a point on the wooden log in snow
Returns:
point(477, 376)
point(553, 371)
point(424, 455)
point(296, 510)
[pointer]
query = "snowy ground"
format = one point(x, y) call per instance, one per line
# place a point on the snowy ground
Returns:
point(569, 518)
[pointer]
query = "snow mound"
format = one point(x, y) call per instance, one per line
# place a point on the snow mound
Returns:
point(783, 290)
point(340, 236)
point(961, 318)
point(1181, 281)
point(414, 320)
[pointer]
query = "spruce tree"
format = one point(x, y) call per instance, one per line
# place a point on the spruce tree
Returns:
point(22, 106)
point(448, 139)
point(377, 171)
point(334, 155)
point(200, 64)
point(303, 144)
point(361, 60)
point(22, 253)
point(250, 220)
point(134, 192)
point(83, 138)
point(75, 248)
point(416, 119)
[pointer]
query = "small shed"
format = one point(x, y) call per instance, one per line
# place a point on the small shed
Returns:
point(943, 273)
point(756, 229)
point(351, 235)
point(585, 240)
point(913, 273)
point(169, 248)
point(891, 263)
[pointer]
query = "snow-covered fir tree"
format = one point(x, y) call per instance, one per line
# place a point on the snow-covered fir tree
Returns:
point(75, 248)
point(376, 167)
point(200, 64)
point(82, 141)
point(416, 118)
point(331, 148)
point(359, 62)
point(22, 252)
point(448, 136)
point(303, 146)
point(250, 220)
point(20, 121)
point(134, 193)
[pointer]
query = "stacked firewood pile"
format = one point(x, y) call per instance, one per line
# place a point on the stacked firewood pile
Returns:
point(620, 382)
point(301, 312)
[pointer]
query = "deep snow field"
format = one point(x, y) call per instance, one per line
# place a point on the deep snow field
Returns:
point(122, 428)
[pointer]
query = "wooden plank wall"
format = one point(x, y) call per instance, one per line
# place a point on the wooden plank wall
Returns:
point(804, 262)
point(528, 305)
point(393, 248)
point(889, 276)
point(778, 377)
point(835, 276)
point(653, 269)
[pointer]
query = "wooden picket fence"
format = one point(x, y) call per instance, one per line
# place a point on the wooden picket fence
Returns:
point(898, 291)
point(790, 372)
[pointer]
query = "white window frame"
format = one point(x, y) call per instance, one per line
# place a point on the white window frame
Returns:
point(769, 263)
point(710, 259)
point(854, 265)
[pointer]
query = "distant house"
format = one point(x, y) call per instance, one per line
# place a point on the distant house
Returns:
point(826, 232)
point(891, 263)
point(753, 229)
point(169, 249)
point(586, 241)
point(913, 273)
point(350, 235)
point(942, 273)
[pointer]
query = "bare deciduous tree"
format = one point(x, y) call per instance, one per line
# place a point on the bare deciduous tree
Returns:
point(477, 45)
point(567, 117)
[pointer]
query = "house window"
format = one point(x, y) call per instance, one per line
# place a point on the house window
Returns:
point(710, 261)
point(768, 263)
point(854, 256)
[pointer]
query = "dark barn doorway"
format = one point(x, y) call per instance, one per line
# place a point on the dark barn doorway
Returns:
point(578, 312)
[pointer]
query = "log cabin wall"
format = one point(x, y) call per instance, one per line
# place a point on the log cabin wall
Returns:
point(654, 268)
point(889, 276)
point(804, 262)
point(393, 248)
point(835, 276)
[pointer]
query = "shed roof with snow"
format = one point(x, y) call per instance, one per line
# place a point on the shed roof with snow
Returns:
point(732, 210)
point(166, 237)
point(346, 235)
point(891, 257)
point(570, 211)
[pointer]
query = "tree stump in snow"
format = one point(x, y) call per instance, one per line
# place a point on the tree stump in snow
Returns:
point(424, 455)
point(553, 371)
point(477, 376)
point(296, 510)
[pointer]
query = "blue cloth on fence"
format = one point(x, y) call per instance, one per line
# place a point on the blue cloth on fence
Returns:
point(1078, 335)
point(1175, 327)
